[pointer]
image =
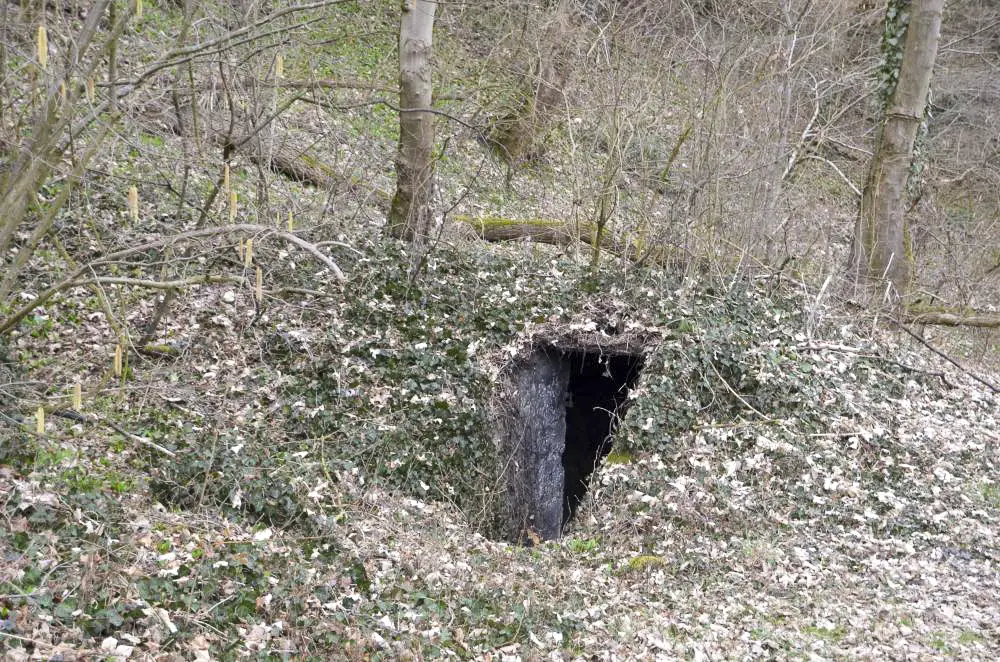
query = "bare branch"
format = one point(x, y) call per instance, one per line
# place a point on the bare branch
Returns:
point(14, 319)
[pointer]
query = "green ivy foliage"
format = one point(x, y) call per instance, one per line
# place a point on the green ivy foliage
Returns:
point(256, 482)
point(400, 388)
point(728, 358)
point(897, 18)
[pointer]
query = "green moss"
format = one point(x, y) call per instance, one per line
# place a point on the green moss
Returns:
point(491, 222)
point(158, 349)
point(151, 140)
point(990, 493)
point(641, 564)
point(582, 546)
point(315, 163)
point(938, 643)
point(908, 255)
point(619, 457)
point(829, 634)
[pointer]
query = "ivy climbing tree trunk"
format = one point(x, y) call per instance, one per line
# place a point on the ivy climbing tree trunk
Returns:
point(881, 245)
point(410, 213)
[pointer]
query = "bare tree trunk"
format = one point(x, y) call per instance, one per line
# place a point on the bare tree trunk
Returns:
point(881, 246)
point(518, 136)
point(410, 214)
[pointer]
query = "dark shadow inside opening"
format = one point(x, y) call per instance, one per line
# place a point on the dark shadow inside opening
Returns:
point(596, 399)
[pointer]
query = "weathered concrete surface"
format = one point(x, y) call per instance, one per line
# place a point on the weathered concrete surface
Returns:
point(538, 438)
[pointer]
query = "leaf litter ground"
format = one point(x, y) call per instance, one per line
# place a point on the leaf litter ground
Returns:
point(873, 537)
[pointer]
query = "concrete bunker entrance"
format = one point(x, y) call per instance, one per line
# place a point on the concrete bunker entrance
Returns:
point(569, 402)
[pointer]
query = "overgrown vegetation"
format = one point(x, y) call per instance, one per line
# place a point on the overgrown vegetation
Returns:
point(269, 460)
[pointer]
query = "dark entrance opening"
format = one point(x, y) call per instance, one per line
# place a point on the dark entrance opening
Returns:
point(596, 397)
point(567, 403)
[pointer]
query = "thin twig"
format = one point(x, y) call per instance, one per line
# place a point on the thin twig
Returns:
point(38, 642)
point(207, 279)
point(320, 244)
point(874, 357)
point(391, 106)
point(738, 396)
point(94, 418)
point(947, 358)
point(837, 170)
point(310, 248)
point(13, 320)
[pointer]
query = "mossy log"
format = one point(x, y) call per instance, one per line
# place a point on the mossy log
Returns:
point(545, 231)
point(161, 350)
point(287, 161)
point(951, 318)
point(301, 167)
point(281, 157)
point(549, 231)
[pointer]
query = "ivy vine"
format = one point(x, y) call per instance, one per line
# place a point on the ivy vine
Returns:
point(897, 18)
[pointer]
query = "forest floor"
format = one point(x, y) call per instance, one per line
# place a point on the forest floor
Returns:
point(880, 539)
point(876, 537)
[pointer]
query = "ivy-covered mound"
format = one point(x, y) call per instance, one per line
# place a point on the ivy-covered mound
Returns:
point(785, 482)
point(402, 388)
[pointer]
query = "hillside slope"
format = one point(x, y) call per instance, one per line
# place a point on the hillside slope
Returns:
point(296, 467)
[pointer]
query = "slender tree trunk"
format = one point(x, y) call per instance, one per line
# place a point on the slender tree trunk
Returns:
point(410, 214)
point(34, 158)
point(881, 247)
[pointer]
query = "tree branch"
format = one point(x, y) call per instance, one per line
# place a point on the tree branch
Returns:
point(14, 319)
point(947, 358)
point(980, 320)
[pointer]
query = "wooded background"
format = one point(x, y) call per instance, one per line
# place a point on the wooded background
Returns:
point(708, 138)
point(277, 280)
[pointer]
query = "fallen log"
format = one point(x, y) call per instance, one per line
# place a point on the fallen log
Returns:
point(543, 231)
point(291, 163)
point(554, 232)
point(946, 318)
